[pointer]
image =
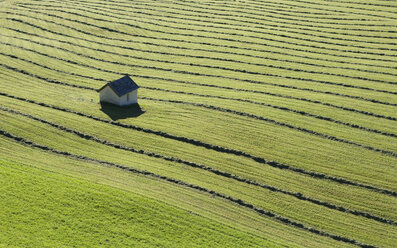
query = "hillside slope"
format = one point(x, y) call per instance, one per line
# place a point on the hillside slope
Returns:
point(263, 123)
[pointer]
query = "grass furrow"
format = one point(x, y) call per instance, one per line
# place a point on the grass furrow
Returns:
point(295, 62)
point(268, 18)
point(213, 147)
point(297, 195)
point(234, 112)
point(212, 86)
point(205, 43)
point(193, 34)
point(276, 119)
point(98, 205)
point(240, 202)
point(326, 7)
point(294, 69)
point(194, 203)
point(303, 113)
point(228, 25)
point(249, 15)
point(295, 11)
point(128, 17)
point(208, 75)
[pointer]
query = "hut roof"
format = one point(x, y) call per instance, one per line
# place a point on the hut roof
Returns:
point(122, 86)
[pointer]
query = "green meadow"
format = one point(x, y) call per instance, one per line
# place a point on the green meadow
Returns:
point(260, 124)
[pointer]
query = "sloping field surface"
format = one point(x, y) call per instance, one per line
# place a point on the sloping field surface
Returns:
point(261, 124)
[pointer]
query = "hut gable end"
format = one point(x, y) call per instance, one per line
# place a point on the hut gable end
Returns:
point(123, 91)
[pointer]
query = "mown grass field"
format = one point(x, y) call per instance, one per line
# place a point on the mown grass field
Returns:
point(265, 124)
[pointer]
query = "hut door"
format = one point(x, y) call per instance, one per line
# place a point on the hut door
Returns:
point(128, 97)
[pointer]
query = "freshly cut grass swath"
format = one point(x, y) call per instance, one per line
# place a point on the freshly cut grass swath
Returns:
point(181, 183)
point(200, 166)
point(103, 215)
point(264, 124)
point(128, 183)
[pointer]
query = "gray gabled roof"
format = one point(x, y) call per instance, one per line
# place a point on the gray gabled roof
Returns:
point(122, 86)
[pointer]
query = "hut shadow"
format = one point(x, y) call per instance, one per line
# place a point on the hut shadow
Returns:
point(121, 112)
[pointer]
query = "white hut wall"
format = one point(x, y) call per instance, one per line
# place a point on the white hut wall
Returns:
point(129, 98)
point(108, 95)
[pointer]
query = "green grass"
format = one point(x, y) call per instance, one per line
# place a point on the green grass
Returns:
point(41, 208)
point(310, 85)
point(248, 227)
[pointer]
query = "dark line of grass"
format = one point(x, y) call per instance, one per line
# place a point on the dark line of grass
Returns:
point(201, 49)
point(230, 26)
point(297, 195)
point(225, 110)
point(281, 9)
point(195, 73)
point(124, 17)
point(261, 118)
point(246, 9)
point(272, 19)
point(242, 18)
point(292, 17)
point(303, 113)
point(369, 4)
point(211, 37)
point(212, 147)
point(196, 35)
point(239, 202)
point(209, 85)
point(226, 68)
point(275, 95)
point(199, 43)
point(333, 10)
